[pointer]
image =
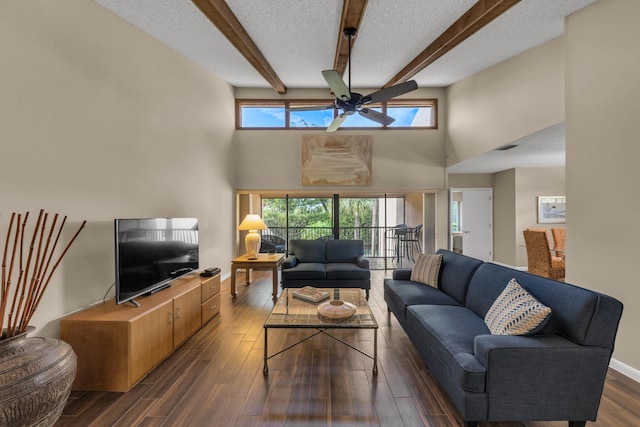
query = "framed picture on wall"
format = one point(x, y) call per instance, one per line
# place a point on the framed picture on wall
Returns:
point(551, 209)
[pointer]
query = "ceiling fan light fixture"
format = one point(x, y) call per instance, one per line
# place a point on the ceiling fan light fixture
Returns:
point(348, 103)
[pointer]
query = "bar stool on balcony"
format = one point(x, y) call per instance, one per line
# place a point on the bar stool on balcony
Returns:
point(410, 243)
point(394, 238)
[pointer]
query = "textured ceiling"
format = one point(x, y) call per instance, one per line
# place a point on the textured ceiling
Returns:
point(543, 148)
point(299, 37)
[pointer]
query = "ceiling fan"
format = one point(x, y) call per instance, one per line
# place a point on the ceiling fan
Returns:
point(350, 103)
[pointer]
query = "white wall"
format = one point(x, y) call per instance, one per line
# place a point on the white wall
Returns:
point(603, 241)
point(100, 121)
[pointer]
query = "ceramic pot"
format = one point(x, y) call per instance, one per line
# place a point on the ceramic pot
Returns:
point(35, 379)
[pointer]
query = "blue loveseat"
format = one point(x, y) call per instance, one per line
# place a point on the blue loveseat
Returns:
point(556, 374)
point(326, 264)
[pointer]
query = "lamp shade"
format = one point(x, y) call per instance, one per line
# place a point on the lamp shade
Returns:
point(252, 222)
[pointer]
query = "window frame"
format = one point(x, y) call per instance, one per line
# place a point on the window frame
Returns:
point(287, 103)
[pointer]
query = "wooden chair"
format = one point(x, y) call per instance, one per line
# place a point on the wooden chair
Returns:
point(539, 259)
point(559, 239)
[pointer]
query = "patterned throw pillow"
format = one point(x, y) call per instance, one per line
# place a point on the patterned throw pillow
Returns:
point(516, 312)
point(427, 269)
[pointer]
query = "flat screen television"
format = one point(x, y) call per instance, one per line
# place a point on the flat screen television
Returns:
point(151, 252)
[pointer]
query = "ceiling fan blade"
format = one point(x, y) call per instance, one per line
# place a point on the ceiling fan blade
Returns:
point(337, 85)
point(390, 92)
point(376, 116)
point(335, 124)
point(311, 108)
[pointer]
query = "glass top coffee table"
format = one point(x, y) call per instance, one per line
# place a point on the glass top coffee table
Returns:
point(290, 312)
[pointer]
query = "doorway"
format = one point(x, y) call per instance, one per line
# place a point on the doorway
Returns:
point(471, 222)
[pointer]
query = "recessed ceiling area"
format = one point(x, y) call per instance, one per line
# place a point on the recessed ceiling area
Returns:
point(545, 148)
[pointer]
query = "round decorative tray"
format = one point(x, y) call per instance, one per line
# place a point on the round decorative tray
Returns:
point(337, 309)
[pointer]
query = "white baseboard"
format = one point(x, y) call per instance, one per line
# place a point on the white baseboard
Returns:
point(510, 266)
point(625, 369)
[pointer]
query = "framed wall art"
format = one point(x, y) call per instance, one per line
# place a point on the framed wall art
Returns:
point(551, 209)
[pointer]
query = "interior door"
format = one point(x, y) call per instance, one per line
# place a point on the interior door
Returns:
point(475, 221)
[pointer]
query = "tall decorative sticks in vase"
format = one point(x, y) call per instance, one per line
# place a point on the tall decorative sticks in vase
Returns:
point(30, 261)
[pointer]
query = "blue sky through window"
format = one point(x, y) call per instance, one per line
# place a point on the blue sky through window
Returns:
point(263, 117)
point(274, 117)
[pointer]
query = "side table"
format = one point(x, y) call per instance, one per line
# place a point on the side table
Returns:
point(264, 261)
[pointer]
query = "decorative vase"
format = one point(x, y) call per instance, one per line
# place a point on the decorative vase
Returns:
point(35, 379)
point(337, 309)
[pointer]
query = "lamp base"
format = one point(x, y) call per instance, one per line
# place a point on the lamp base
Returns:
point(252, 243)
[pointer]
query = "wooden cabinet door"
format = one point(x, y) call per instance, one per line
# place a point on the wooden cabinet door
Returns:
point(151, 340)
point(186, 315)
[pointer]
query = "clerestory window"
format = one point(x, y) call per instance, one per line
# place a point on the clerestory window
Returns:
point(276, 114)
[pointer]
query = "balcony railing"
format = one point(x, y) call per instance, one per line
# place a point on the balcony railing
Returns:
point(381, 244)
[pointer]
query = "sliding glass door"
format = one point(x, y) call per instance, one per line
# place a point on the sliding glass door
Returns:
point(372, 219)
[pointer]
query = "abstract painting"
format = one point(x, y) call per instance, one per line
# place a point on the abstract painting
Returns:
point(336, 160)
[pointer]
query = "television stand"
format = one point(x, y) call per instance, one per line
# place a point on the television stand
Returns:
point(134, 303)
point(117, 344)
point(160, 288)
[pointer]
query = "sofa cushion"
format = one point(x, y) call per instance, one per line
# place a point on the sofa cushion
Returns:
point(344, 250)
point(516, 312)
point(450, 332)
point(456, 272)
point(308, 250)
point(306, 271)
point(346, 271)
point(400, 294)
point(427, 269)
point(406, 293)
point(573, 307)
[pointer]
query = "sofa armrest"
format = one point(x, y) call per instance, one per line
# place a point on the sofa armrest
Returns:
point(542, 374)
point(290, 262)
point(402, 274)
point(362, 262)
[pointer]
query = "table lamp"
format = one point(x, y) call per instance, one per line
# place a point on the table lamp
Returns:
point(253, 223)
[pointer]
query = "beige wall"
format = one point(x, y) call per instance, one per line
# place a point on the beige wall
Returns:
point(505, 102)
point(100, 121)
point(504, 217)
point(408, 161)
point(603, 89)
point(402, 160)
point(473, 180)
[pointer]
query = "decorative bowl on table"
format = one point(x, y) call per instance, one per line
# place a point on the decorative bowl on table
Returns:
point(337, 309)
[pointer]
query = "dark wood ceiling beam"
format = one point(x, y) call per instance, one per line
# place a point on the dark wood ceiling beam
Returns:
point(219, 13)
point(480, 14)
point(352, 13)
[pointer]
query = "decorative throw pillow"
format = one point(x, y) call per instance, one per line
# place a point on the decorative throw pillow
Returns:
point(516, 312)
point(427, 269)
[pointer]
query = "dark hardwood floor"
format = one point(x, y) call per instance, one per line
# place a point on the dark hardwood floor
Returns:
point(216, 379)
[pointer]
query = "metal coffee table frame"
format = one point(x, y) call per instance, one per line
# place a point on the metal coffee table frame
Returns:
point(292, 313)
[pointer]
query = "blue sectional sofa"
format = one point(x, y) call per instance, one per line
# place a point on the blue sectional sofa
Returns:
point(326, 264)
point(556, 374)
